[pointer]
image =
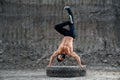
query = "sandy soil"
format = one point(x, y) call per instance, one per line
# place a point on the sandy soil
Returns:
point(93, 73)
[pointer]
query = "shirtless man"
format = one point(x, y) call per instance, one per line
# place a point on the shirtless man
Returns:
point(66, 46)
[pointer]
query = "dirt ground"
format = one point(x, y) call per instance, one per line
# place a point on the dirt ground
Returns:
point(93, 73)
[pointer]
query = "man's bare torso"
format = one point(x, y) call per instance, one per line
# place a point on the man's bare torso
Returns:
point(66, 46)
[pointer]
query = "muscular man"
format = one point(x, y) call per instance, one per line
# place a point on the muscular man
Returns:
point(66, 46)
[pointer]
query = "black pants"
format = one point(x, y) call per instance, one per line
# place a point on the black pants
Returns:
point(65, 32)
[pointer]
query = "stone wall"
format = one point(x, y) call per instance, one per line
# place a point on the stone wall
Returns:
point(28, 38)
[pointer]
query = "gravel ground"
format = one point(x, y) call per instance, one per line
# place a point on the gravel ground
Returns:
point(95, 73)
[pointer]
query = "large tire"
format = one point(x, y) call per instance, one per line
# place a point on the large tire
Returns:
point(65, 71)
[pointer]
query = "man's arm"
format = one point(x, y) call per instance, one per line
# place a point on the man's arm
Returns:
point(52, 58)
point(74, 55)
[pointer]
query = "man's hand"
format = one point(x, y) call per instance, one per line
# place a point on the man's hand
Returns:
point(83, 66)
point(49, 66)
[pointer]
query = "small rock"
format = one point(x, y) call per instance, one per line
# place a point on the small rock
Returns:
point(105, 61)
point(1, 60)
point(1, 51)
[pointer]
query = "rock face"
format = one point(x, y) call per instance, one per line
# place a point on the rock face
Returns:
point(28, 38)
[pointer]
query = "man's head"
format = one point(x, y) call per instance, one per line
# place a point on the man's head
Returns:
point(61, 57)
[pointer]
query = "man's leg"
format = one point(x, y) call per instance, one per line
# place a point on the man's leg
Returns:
point(72, 30)
point(70, 13)
point(61, 30)
point(71, 24)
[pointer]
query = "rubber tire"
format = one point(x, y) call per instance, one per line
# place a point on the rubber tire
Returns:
point(65, 71)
